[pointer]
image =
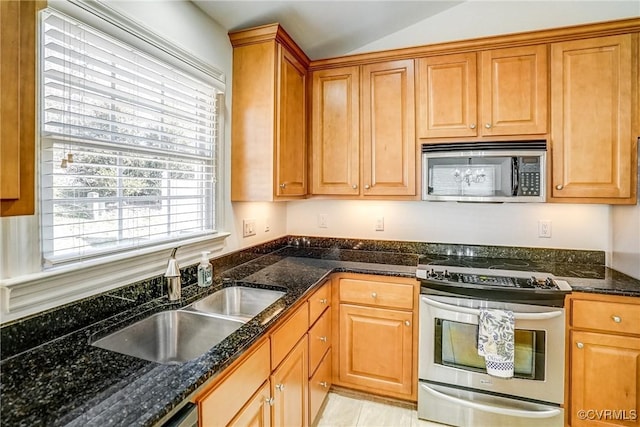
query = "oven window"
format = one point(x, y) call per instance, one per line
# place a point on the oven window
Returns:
point(456, 345)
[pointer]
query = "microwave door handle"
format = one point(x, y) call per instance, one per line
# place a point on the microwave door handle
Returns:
point(520, 413)
point(475, 312)
point(515, 176)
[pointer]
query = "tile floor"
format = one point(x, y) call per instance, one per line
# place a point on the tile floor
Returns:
point(350, 411)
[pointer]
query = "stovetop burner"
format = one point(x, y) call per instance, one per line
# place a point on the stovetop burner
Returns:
point(506, 285)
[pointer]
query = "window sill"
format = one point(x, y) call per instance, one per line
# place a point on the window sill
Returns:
point(30, 294)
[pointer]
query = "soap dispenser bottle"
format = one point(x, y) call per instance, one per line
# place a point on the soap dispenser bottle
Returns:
point(205, 271)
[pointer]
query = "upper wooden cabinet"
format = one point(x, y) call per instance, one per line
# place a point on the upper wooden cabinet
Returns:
point(363, 130)
point(18, 106)
point(593, 147)
point(505, 95)
point(268, 124)
point(335, 131)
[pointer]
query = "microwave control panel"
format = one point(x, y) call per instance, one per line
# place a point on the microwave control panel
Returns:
point(529, 176)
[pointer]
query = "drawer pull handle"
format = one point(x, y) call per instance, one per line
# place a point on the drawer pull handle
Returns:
point(324, 384)
point(270, 401)
point(323, 301)
point(616, 319)
point(579, 345)
point(374, 295)
point(323, 339)
point(407, 323)
point(279, 387)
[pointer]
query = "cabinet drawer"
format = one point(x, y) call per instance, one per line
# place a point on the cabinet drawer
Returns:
point(319, 340)
point(287, 335)
point(606, 316)
point(319, 301)
point(380, 294)
point(220, 405)
point(319, 385)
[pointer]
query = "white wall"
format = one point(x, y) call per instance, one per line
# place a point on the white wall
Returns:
point(573, 226)
point(625, 236)
point(480, 18)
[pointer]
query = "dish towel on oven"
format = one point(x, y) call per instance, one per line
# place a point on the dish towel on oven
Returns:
point(496, 341)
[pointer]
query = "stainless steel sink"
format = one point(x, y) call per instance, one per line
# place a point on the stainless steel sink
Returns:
point(173, 336)
point(237, 302)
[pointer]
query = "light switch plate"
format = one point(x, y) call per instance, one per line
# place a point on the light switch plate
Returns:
point(248, 227)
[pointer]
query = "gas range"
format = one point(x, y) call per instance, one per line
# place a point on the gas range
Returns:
point(525, 287)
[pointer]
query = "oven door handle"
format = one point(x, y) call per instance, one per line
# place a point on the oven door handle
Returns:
point(475, 312)
point(501, 410)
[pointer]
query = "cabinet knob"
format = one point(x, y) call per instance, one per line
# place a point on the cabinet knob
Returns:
point(616, 319)
point(488, 125)
point(559, 187)
point(323, 301)
point(366, 187)
point(283, 185)
point(270, 401)
point(579, 345)
point(472, 126)
point(323, 339)
point(279, 387)
point(374, 295)
point(354, 186)
point(407, 323)
point(324, 384)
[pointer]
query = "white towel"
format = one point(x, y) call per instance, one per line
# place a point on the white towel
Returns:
point(496, 341)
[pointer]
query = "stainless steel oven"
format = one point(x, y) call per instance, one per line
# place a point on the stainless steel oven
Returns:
point(454, 387)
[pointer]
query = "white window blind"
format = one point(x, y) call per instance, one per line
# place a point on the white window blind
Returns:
point(128, 146)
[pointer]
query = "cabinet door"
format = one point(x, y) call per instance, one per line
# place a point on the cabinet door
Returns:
point(290, 387)
point(257, 412)
point(335, 131)
point(388, 129)
point(447, 96)
point(376, 349)
point(514, 91)
point(291, 135)
point(18, 106)
point(605, 379)
point(592, 146)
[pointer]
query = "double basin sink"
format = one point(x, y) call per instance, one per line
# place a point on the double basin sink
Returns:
point(177, 336)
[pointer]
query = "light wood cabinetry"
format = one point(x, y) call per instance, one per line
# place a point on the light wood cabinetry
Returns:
point(18, 106)
point(506, 94)
point(604, 360)
point(320, 344)
point(363, 130)
point(376, 334)
point(289, 388)
point(220, 404)
point(593, 142)
point(268, 127)
point(257, 412)
point(335, 131)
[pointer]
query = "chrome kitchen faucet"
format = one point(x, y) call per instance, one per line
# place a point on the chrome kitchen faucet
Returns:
point(174, 282)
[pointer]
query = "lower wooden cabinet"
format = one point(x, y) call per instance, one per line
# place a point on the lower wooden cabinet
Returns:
point(604, 361)
point(289, 388)
point(375, 334)
point(257, 412)
point(319, 385)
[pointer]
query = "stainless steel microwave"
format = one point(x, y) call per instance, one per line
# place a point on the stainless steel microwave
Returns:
point(485, 171)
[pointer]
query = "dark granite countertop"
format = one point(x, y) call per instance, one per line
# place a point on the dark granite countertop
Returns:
point(67, 382)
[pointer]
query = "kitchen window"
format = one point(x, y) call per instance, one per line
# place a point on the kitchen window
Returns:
point(128, 146)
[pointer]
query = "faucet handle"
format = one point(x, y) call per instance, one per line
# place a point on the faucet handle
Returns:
point(173, 270)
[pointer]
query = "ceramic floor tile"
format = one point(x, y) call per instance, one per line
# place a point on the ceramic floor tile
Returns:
point(340, 411)
point(344, 411)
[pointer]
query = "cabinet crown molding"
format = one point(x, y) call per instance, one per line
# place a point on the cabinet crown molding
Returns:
point(265, 33)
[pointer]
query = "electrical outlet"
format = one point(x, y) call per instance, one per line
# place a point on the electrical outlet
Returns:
point(544, 228)
point(248, 227)
point(323, 221)
point(380, 223)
